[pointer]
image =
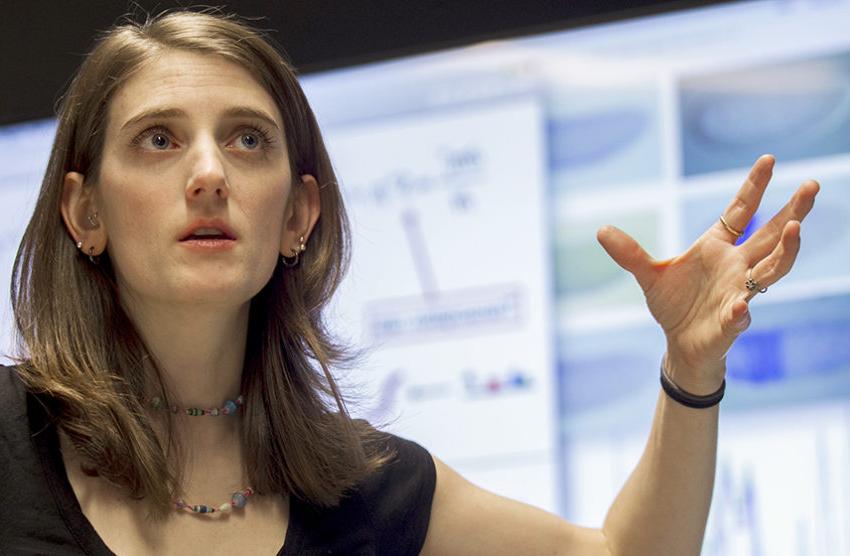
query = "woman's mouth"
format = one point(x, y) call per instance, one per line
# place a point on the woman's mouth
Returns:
point(209, 238)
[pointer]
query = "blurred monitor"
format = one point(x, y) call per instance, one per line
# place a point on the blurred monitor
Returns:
point(500, 335)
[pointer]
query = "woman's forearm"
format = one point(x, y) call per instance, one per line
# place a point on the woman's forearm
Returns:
point(663, 507)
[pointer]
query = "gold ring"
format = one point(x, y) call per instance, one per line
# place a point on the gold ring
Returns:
point(729, 228)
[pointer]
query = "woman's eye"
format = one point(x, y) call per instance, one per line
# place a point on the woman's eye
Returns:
point(160, 141)
point(249, 140)
point(155, 138)
point(253, 138)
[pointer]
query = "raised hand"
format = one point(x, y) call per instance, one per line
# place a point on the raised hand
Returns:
point(701, 297)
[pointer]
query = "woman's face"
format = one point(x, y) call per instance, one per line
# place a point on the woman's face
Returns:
point(194, 183)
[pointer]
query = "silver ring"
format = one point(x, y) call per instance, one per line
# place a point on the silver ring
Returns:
point(752, 285)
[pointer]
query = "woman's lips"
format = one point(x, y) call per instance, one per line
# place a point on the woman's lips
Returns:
point(210, 244)
point(207, 227)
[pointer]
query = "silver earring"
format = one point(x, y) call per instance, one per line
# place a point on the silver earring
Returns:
point(80, 245)
point(92, 258)
point(93, 219)
point(292, 261)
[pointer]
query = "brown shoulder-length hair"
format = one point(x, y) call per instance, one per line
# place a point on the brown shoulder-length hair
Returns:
point(81, 350)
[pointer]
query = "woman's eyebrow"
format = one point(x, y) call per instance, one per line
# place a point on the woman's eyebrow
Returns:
point(155, 113)
point(248, 112)
point(233, 112)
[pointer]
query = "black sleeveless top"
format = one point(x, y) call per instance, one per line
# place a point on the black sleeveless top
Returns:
point(387, 514)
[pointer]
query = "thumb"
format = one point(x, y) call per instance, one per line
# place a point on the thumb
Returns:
point(627, 253)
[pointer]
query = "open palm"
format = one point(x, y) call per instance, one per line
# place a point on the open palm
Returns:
point(700, 297)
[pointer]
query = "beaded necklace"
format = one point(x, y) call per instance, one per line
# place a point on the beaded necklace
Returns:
point(229, 407)
point(238, 499)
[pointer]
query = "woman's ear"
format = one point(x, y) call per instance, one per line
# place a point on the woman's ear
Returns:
point(302, 213)
point(79, 211)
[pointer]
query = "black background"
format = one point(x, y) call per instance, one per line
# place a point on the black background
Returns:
point(42, 42)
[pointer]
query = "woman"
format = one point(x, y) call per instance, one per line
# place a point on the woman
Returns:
point(168, 293)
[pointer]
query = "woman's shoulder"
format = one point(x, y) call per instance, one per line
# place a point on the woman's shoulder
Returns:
point(30, 520)
point(13, 396)
point(409, 467)
point(15, 434)
point(390, 509)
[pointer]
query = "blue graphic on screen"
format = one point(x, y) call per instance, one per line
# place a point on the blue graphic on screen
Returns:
point(594, 137)
point(794, 110)
point(795, 351)
point(602, 136)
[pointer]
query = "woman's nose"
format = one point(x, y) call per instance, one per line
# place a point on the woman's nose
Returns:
point(208, 177)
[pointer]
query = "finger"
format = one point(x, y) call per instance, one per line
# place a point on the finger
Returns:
point(627, 253)
point(779, 262)
point(763, 241)
point(737, 318)
point(741, 208)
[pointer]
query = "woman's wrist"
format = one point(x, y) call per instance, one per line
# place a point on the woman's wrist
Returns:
point(688, 399)
point(699, 380)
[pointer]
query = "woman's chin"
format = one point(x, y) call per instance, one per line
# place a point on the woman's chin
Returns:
point(220, 294)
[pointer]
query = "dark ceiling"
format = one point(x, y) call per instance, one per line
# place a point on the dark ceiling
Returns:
point(43, 41)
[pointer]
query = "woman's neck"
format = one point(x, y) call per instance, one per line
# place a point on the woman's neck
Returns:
point(200, 351)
